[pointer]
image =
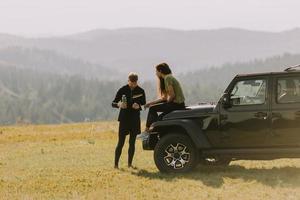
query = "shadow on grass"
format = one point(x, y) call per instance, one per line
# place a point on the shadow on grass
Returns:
point(214, 176)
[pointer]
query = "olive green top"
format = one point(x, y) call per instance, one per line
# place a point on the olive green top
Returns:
point(170, 80)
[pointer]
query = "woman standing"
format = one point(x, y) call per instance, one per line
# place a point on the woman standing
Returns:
point(171, 96)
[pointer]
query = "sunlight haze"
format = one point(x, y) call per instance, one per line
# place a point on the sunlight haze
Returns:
point(56, 17)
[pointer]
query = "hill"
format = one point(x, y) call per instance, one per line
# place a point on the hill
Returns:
point(38, 97)
point(139, 49)
point(49, 61)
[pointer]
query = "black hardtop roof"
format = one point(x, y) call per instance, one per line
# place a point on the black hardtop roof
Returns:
point(269, 73)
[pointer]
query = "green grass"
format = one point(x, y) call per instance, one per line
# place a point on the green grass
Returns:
point(76, 162)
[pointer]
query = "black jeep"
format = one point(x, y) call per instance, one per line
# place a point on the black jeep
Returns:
point(257, 118)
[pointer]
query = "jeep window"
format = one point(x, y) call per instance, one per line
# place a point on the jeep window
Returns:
point(249, 92)
point(288, 90)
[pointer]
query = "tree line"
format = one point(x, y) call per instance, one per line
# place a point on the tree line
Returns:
point(33, 96)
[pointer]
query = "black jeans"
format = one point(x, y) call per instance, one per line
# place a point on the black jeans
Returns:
point(165, 108)
point(123, 131)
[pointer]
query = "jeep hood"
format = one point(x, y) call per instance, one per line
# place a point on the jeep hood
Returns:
point(192, 112)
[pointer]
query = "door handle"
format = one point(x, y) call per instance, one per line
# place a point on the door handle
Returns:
point(297, 113)
point(277, 115)
point(261, 115)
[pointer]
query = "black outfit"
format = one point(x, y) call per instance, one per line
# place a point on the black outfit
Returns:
point(129, 119)
point(165, 108)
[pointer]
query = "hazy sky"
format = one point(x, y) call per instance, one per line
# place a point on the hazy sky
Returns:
point(38, 17)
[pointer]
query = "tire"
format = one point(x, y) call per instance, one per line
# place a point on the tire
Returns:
point(215, 161)
point(175, 153)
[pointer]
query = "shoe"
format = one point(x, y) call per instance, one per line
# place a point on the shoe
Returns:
point(132, 167)
point(116, 167)
point(142, 135)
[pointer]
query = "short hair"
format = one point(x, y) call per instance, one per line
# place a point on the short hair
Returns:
point(133, 77)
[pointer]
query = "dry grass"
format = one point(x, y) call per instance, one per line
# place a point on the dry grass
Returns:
point(75, 162)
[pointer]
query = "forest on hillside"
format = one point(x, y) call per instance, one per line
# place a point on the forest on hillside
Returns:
point(32, 96)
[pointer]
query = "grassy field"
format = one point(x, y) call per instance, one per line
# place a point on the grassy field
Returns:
point(76, 162)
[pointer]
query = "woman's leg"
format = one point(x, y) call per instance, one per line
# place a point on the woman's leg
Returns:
point(152, 116)
point(153, 110)
point(171, 107)
point(165, 108)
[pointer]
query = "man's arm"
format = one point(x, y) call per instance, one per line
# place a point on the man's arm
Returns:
point(143, 99)
point(140, 100)
point(118, 98)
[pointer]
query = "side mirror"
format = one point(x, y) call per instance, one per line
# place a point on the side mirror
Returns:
point(226, 100)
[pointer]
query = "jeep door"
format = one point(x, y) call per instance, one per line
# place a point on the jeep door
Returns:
point(245, 122)
point(285, 111)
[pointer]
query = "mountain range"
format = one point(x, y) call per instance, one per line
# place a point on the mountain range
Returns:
point(139, 49)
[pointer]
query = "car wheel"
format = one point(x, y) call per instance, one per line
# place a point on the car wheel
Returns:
point(215, 161)
point(175, 153)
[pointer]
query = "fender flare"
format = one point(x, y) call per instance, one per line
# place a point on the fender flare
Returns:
point(193, 130)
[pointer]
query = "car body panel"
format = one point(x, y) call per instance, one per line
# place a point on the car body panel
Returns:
point(266, 130)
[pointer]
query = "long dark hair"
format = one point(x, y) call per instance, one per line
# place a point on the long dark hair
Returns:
point(164, 69)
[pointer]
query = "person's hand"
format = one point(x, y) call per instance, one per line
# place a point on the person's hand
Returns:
point(122, 105)
point(147, 105)
point(135, 106)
